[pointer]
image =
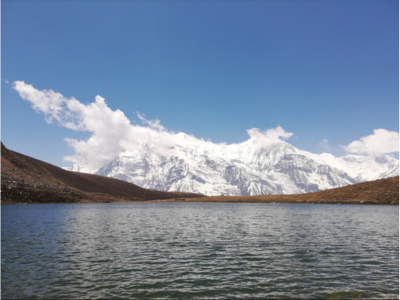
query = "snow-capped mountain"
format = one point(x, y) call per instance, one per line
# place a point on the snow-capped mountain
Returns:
point(242, 169)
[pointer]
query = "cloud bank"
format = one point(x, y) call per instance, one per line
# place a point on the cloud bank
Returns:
point(382, 141)
point(113, 133)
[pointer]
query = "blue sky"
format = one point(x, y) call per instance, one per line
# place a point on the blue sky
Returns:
point(212, 69)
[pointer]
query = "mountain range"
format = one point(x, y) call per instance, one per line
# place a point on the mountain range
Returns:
point(27, 180)
point(244, 169)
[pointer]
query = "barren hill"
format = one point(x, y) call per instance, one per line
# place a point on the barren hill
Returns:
point(28, 180)
point(382, 191)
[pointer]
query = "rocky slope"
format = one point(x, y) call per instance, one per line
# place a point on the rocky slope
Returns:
point(241, 170)
point(28, 180)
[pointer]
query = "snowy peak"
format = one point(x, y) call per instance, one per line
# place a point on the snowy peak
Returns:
point(243, 169)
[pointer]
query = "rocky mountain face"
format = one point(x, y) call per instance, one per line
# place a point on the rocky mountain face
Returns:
point(277, 169)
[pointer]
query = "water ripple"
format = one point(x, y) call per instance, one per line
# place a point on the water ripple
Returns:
point(200, 250)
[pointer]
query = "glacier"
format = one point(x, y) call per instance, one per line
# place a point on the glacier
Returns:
point(242, 169)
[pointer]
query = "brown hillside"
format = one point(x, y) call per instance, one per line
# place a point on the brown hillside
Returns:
point(382, 191)
point(28, 180)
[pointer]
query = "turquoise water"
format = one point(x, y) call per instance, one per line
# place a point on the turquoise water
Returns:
point(199, 250)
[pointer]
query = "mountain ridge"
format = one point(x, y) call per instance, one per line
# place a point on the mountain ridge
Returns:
point(28, 180)
point(277, 169)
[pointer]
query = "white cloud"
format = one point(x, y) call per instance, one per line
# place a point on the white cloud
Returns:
point(382, 141)
point(155, 124)
point(268, 137)
point(113, 133)
point(48, 102)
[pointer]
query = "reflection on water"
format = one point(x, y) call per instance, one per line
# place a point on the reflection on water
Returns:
point(172, 250)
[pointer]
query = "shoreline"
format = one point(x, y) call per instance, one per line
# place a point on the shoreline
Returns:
point(333, 202)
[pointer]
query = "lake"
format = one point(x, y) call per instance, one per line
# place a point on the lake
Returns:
point(199, 250)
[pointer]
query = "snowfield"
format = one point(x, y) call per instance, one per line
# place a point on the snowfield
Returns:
point(241, 169)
